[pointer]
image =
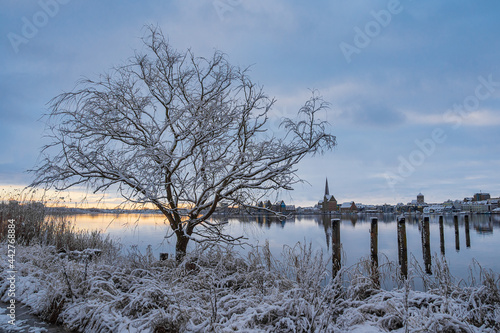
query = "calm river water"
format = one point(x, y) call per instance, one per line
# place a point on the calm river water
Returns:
point(481, 242)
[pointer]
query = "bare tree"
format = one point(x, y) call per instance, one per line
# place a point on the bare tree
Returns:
point(179, 132)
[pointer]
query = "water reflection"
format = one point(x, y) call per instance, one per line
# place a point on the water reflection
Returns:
point(431, 232)
point(351, 238)
point(486, 227)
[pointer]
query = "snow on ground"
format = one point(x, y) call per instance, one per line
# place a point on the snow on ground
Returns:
point(218, 291)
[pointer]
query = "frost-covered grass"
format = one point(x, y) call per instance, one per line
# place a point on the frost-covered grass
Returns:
point(29, 217)
point(217, 290)
point(34, 226)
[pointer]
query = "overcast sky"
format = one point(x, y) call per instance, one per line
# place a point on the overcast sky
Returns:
point(414, 86)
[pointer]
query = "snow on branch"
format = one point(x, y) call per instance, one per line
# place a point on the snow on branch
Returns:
point(178, 131)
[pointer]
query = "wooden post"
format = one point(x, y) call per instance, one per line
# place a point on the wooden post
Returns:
point(374, 242)
point(374, 250)
point(402, 248)
point(336, 248)
point(457, 236)
point(441, 234)
point(467, 231)
point(426, 245)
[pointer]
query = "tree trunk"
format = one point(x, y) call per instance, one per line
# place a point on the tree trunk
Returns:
point(183, 237)
point(181, 246)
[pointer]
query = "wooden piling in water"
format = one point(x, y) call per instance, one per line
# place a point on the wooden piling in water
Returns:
point(426, 245)
point(336, 247)
point(374, 242)
point(441, 235)
point(402, 247)
point(374, 250)
point(467, 231)
point(457, 235)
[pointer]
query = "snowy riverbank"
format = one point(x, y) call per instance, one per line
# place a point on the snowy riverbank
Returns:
point(219, 291)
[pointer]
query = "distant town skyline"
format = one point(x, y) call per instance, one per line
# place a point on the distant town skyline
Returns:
point(414, 87)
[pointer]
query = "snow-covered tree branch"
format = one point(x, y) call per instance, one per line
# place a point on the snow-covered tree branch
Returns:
point(177, 131)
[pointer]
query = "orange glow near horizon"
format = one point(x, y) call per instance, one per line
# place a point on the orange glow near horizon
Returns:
point(69, 198)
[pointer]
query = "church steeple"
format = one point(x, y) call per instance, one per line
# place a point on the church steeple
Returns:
point(329, 203)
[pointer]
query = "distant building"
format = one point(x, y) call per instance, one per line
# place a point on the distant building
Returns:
point(432, 209)
point(494, 203)
point(481, 196)
point(268, 204)
point(387, 209)
point(368, 209)
point(348, 207)
point(329, 203)
point(279, 207)
point(420, 198)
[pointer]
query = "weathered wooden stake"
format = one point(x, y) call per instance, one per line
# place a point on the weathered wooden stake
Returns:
point(441, 234)
point(374, 242)
point(336, 248)
point(467, 231)
point(374, 250)
point(457, 235)
point(426, 245)
point(402, 248)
